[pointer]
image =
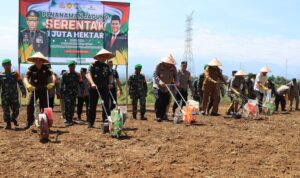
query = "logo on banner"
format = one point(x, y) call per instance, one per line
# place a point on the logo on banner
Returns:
point(69, 5)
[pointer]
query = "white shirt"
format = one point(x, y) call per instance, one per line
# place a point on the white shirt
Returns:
point(262, 79)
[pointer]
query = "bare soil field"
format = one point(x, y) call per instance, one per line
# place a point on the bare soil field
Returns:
point(211, 147)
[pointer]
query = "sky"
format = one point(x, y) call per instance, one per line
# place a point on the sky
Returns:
point(242, 34)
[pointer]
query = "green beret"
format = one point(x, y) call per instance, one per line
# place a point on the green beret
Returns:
point(71, 63)
point(138, 66)
point(6, 60)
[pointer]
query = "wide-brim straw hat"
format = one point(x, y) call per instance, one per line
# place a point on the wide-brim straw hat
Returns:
point(103, 54)
point(240, 73)
point(169, 59)
point(265, 69)
point(37, 56)
point(215, 62)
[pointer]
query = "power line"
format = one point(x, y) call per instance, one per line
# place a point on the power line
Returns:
point(188, 51)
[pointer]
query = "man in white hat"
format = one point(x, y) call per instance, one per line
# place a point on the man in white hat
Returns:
point(165, 73)
point(101, 79)
point(237, 84)
point(213, 78)
point(260, 85)
point(38, 78)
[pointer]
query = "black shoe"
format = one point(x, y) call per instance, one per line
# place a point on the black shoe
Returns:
point(215, 114)
point(79, 117)
point(297, 109)
point(27, 125)
point(8, 126)
point(204, 113)
point(133, 116)
point(158, 119)
point(90, 125)
point(143, 117)
point(15, 122)
point(283, 110)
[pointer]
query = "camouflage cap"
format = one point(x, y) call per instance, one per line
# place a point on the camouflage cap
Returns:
point(5, 61)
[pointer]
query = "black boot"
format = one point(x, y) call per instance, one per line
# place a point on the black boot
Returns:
point(15, 122)
point(133, 116)
point(8, 125)
point(143, 117)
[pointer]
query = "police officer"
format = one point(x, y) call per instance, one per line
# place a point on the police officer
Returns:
point(138, 91)
point(185, 81)
point(69, 87)
point(165, 73)
point(9, 93)
point(83, 95)
point(37, 81)
point(100, 78)
point(116, 83)
point(32, 36)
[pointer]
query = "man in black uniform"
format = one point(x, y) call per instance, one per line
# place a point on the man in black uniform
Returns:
point(100, 78)
point(37, 79)
point(32, 36)
point(116, 82)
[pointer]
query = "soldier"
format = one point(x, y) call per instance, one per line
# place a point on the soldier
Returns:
point(70, 83)
point(100, 78)
point(294, 93)
point(260, 85)
point(213, 77)
point(61, 98)
point(165, 73)
point(185, 81)
point(115, 83)
point(32, 36)
point(138, 91)
point(9, 93)
point(37, 81)
point(83, 95)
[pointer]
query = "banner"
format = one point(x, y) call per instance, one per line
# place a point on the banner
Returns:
point(65, 30)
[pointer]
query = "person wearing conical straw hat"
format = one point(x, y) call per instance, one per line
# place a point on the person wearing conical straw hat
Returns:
point(100, 78)
point(9, 82)
point(70, 82)
point(165, 73)
point(260, 85)
point(237, 87)
point(38, 78)
point(211, 84)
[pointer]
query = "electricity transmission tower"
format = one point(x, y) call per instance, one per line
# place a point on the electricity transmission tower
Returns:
point(188, 51)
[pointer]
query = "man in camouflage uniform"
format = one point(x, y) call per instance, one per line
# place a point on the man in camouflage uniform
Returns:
point(165, 73)
point(9, 93)
point(32, 36)
point(37, 81)
point(138, 91)
point(100, 78)
point(70, 83)
point(185, 82)
point(83, 95)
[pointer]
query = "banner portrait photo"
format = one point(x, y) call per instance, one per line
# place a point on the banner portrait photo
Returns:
point(65, 30)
